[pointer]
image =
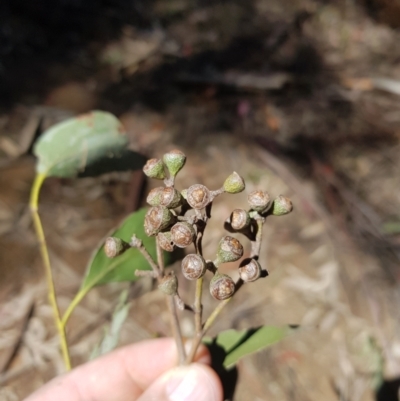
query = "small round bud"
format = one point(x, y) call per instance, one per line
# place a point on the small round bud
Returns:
point(193, 266)
point(234, 184)
point(182, 234)
point(222, 287)
point(115, 246)
point(170, 198)
point(281, 206)
point(239, 219)
point(249, 270)
point(154, 168)
point(169, 284)
point(157, 218)
point(229, 250)
point(174, 160)
point(198, 196)
point(165, 241)
point(259, 200)
point(154, 197)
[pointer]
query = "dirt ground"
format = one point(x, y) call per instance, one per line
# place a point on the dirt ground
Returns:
point(302, 98)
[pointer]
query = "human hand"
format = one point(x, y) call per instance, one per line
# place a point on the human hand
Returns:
point(144, 371)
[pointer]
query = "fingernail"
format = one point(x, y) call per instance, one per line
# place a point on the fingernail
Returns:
point(191, 383)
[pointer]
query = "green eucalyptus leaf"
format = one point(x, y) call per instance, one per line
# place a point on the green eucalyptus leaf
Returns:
point(68, 148)
point(102, 270)
point(238, 344)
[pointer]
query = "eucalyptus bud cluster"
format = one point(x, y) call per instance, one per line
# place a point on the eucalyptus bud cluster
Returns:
point(172, 162)
point(178, 219)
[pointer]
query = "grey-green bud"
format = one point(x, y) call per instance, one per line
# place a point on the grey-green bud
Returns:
point(157, 218)
point(154, 197)
point(281, 206)
point(234, 184)
point(154, 168)
point(170, 198)
point(174, 160)
point(165, 241)
point(115, 246)
point(229, 250)
point(169, 284)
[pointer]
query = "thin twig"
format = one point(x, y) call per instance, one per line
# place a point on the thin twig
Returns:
point(160, 257)
point(34, 202)
point(175, 326)
point(256, 244)
point(137, 243)
point(209, 322)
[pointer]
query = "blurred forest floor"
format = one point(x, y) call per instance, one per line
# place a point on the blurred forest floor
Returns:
point(301, 97)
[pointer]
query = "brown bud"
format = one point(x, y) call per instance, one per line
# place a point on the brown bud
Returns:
point(222, 287)
point(239, 219)
point(249, 270)
point(115, 246)
point(154, 168)
point(198, 196)
point(193, 266)
point(165, 241)
point(182, 234)
point(169, 284)
point(157, 218)
point(229, 250)
point(234, 184)
point(281, 206)
point(170, 198)
point(259, 200)
point(174, 160)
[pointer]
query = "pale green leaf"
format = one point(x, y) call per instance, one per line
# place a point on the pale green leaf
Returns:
point(68, 148)
point(103, 270)
point(238, 344)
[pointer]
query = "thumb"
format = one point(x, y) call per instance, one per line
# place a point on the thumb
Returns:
point(195, 382)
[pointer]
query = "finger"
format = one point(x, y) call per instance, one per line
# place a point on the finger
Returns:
point(120, 375)
point(191, 383)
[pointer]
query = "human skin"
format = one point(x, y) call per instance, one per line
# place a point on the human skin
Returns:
point(140, 372)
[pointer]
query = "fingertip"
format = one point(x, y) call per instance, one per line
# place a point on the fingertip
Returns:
point(196, 382)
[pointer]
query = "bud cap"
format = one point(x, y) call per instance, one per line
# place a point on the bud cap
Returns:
point(259, 200)
point(182, 234)
point(193, 266)
point(239, 219)
point(222, 286)
point(249, 270)
point(198, 196)
point(229, 250)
